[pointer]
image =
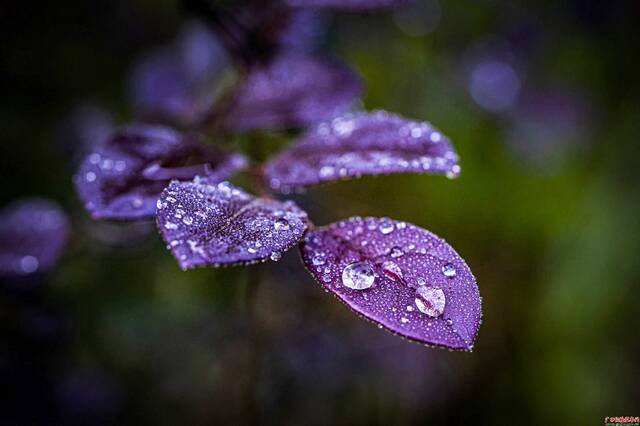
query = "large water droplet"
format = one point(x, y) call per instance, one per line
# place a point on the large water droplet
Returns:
point(281, 224)
point(449, 270)
point(358, 276)
point(392, 270)
point(431, 301)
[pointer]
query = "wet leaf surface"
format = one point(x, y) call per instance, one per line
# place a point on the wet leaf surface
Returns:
point(400, 276)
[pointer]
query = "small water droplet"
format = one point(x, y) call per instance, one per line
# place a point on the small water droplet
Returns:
point(187, 220)
point(29, 264)
point(318, 259)
point(326, 278)
point(396, 252)
point(449, 270)
point(281, 224)
point(386, 227)
point(326, 171)
point(422, 281)
point(275, 256)
point(251, 250)
point(90, 177)
point(431, 301)
point(358, 276)
point(404, 320)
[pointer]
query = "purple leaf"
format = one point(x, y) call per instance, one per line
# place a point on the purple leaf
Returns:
point(362, 144)
point(178, 82)
point(400, 276)
point(205, 223)
point(123, 178)
point(33, 234)
point(294, 90)
point(303, 30)
point(348, 4)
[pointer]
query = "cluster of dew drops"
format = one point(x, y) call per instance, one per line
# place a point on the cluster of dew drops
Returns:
point(361, 276)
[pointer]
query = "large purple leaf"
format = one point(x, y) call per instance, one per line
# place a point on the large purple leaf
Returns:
point(178, 82)
point(33, 234)
point(123, 178)
point(292, 91)
point(359, 144)
point(349, 4)
point(205, 223)
point(400, 276)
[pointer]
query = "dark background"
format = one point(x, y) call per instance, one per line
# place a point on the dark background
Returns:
point(546, 213)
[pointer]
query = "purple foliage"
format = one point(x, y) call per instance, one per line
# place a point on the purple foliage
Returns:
point(123, 178)
point(292, 91)
point(349, 4)
point(33, 234)
point(178, 82)
point(205, 223)
point(400, 276)
point(395, 274)
point(303, 30)
point(362, 144)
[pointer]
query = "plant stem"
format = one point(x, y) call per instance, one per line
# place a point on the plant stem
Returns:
point(255, 343)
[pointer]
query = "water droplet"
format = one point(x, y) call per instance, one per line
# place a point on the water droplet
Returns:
point(326, 278)
point(422, 281)
point(187, 220)
point(318, 259)
point(449, 270)
point(453, 172)
point(171, 226)
point(90, 177)
point(396, 252)
point(29, 264)
point(326, 171)
point(404, 320)
point(275, 256)
point(281, 224)
point(392, 270)
point(251, 250)
point(358, 276)
point(386, 227)
point(431, 301)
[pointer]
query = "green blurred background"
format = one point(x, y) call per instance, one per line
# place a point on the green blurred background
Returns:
point(546, 213)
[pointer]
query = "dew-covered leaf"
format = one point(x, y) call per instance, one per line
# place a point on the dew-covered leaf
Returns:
point(365, 143)
point(177, 82)
point(400, 276)
point(214, 224)
point(33, 234)
point(353, 5)
point(292, 91)
point(123, 178)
